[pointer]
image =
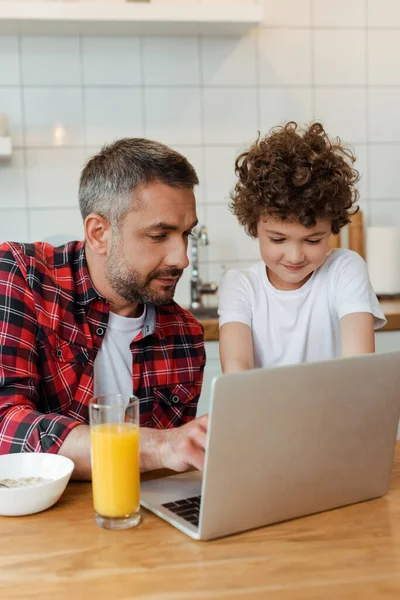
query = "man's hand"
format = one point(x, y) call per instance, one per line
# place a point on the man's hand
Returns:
point(178, 449)
point(76, 446)
point(184, 446)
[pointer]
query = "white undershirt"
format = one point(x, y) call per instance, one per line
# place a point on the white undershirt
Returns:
point(113, 363)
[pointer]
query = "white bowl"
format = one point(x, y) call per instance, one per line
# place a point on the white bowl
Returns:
point(20, 501)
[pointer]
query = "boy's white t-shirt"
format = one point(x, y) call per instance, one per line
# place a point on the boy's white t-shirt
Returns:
point(113, 363)
point(300, 325)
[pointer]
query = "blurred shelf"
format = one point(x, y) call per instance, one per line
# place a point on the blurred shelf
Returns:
point(126, 18)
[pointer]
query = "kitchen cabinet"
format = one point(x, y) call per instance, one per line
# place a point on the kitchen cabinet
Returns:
point(126, 18)
point(213, 368)
point(387, 341)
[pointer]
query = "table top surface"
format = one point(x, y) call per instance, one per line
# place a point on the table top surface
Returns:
point(352, 552)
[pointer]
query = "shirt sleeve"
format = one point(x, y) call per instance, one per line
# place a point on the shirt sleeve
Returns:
point(353, 289)
point(234, 301)
point(23, 427)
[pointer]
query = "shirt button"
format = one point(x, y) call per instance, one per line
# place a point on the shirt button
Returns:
point(100, 331)
point(59, 353)
point(175, 399)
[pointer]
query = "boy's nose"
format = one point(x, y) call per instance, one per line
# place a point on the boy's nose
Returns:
point(295, 255)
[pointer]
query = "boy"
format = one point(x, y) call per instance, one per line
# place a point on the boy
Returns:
point(300, 303)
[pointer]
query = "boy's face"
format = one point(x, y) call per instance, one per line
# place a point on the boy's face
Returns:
point(291, 251)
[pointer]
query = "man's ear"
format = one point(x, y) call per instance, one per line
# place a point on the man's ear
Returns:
point(98, 233)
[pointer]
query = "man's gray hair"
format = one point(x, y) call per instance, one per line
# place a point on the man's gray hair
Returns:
point(110, 177)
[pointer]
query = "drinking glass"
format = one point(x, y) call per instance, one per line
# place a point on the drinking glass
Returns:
point(114, 437)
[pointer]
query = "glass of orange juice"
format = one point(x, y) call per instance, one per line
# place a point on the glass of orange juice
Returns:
point(114, 437)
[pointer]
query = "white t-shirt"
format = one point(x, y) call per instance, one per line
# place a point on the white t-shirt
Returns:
point(300, 325)
point(113, 363)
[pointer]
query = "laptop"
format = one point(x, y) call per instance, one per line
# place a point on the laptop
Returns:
point(287, 442)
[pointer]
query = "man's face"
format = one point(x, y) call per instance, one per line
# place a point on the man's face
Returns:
point(291, 251)
point(149, 252)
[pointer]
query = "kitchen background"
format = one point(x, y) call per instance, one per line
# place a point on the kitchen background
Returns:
point(207, 97)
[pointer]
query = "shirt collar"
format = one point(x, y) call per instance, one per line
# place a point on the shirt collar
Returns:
point(85, 291)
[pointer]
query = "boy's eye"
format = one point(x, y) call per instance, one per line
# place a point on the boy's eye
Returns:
point(277, 240)
point(313, 241)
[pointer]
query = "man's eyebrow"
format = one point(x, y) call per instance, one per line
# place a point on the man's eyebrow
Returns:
point(161, 226)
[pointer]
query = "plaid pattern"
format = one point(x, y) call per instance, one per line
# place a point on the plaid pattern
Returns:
point(52, 323)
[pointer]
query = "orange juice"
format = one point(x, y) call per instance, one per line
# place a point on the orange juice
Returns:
point(115, 469)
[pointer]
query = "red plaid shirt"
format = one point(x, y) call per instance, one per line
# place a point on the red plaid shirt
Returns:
point(52, 323)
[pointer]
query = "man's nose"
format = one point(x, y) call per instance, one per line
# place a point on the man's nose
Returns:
point(177, 256)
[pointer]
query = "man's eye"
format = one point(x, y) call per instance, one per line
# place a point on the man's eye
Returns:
point(277, 240)
point(158, 238)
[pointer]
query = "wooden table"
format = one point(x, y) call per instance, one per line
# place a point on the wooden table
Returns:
point(349, 553)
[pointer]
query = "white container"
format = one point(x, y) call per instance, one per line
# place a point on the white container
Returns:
point(5, 147)
point(28, 500)
point(383, 258)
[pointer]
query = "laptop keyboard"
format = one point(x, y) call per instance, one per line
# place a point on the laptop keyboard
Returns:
point(188, 509)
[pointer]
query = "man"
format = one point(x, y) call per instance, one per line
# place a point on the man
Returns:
point(98, 316)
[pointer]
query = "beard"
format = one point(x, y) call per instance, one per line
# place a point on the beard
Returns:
point(132, 286)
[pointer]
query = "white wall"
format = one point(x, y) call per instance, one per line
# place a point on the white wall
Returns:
point(206, 96)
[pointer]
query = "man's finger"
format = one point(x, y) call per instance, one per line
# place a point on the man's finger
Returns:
point(196, 458)
point(203, 422)
point(200, 438)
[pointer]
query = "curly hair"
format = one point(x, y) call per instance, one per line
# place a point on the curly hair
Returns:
point(295, 174)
